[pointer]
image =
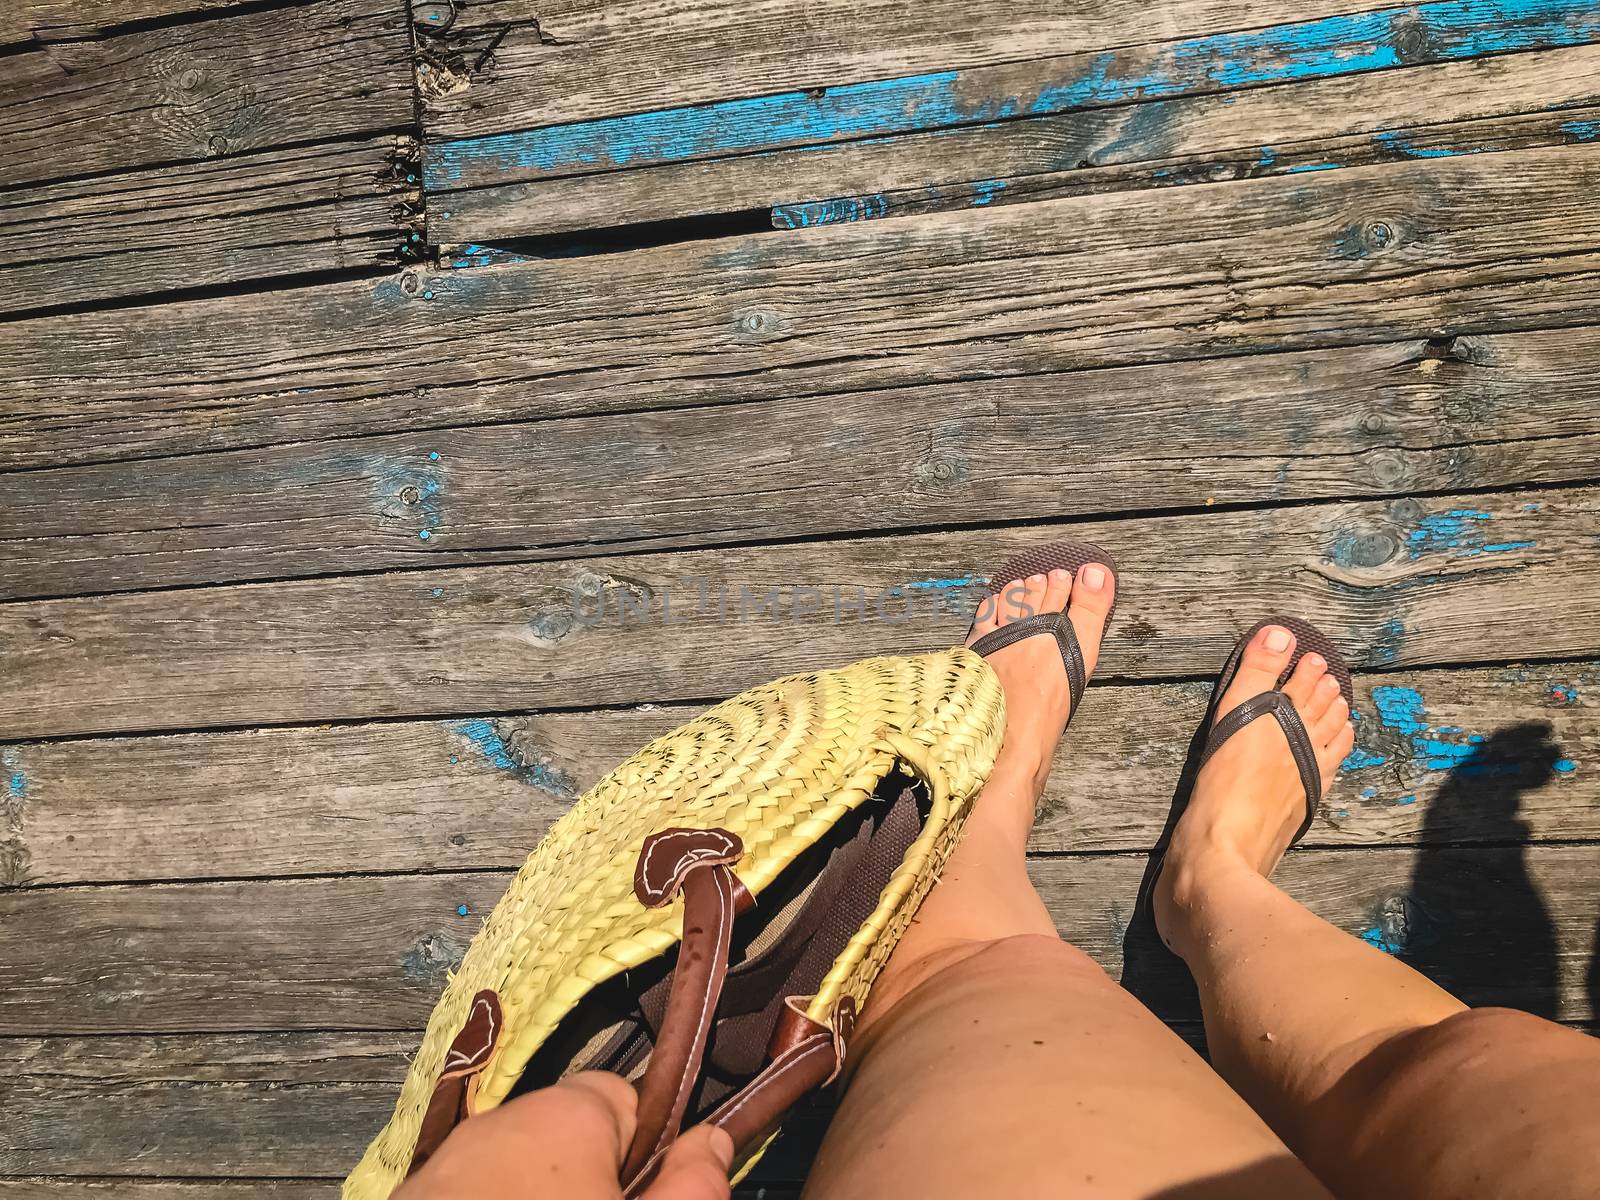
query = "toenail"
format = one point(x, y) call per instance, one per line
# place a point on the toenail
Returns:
point(1329, 683)
point(1094, 578)
point(1314, 660)
point(1278, 640)
point(1058, 575)
point(1035, 579)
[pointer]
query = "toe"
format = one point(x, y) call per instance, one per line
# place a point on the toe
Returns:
point(987, 619)
point(1092, 594)
point(1328, 724)
point(1259, 667)
point(1026, 602)
point(1008, 600)
point(1301, 686)
point(1323, 696)
point(1058, 587)
point(1335, 752)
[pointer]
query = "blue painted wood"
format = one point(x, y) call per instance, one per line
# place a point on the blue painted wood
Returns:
point(1441, 31)
point(1448, 140)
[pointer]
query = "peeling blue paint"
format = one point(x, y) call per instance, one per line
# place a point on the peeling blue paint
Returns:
point(1461, 530)
point(1367, 793)
point(943, 584)
point(1400, 143)
point(1435, 748)
point(1359, 760)
point(1301, 168)
point(1400, 708)
point(462, 910)
point(1404, 800)
point(481, 733)
point(1584, 131)
point(830, 212)
point(489, 744)
point(985, 190)
point(473, 255)
point(1565, 765)
point(1380, 939)
point(1443, 31)
point(17, 785)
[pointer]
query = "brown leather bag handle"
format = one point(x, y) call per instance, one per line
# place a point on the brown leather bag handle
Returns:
point(805, 1053)
point(695, 862)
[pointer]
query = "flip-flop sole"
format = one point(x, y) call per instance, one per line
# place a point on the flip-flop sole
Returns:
point(1308, 639)
point(1057, 556)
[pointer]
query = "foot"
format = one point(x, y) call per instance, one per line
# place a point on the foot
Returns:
point(1248, 800)
point(1038, 700)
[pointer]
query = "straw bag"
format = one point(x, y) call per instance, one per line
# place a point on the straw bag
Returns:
point(708, 918)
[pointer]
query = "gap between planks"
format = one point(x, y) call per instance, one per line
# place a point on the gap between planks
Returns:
point(1445, 757)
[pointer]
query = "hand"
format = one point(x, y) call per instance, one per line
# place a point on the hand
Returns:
point(566, 1142)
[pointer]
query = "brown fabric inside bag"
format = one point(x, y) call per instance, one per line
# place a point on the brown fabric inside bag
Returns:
point(783, 947)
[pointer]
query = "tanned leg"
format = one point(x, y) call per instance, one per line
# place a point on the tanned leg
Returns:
point(1383, 1083)
point(997, 1061)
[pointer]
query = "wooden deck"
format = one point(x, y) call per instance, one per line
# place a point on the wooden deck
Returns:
point(345, 347)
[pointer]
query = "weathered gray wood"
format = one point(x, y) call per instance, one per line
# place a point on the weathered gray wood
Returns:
point(229, 220)
point(1360, 420)
point(206, 88)
point(1495, 135)
point(1408, 582)
point(371, 953)
point(247, 1104)
point(421, 795)
point(57, 20)
point(1334, 258)
point(513, 64)
point(774, 73)
point(138, 1107)
point(1464, 107)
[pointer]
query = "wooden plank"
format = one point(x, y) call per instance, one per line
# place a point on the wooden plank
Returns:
point(59, 20)
point(779, 75)
point(1497, 135)
point(1369, 254)
point(208, 88)
point(371, 952)
point(168, 1106)
point(229, 220)
point(1358, 421)
point(149, 1111)
point(1399, 583)
point(423, 795)
point(1478, 106)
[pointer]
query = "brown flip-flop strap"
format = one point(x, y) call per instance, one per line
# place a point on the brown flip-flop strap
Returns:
point(1058, 626)
point(1294, 731)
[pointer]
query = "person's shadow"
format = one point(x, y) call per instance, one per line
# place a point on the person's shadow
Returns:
point(1471, 919)
point(1478, 926)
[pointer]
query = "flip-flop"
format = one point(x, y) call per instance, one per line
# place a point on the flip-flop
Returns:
point(1308, 639)
point(1041, 560)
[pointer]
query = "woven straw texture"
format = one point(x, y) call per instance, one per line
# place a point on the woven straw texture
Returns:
point(778, 766)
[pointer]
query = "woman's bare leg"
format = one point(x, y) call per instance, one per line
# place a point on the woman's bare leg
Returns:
point(997, 1061)
point(1381, 1082)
